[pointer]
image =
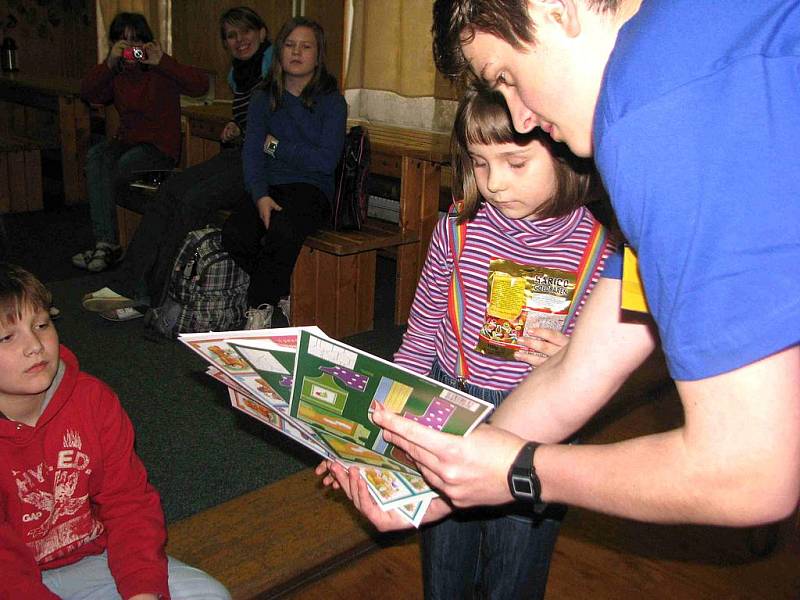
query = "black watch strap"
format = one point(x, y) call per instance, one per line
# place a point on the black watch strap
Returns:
point(523, 482)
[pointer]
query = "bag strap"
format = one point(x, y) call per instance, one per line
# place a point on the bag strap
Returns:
point(456, 304)
point(590, 262)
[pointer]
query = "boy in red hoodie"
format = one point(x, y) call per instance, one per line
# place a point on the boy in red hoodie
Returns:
point(78, 518)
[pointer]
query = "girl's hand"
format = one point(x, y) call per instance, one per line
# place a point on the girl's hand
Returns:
point(153, 53)
point(265, 206)
point(540, 346)
point(230, 132)
point(351, 482)
point(115, 53)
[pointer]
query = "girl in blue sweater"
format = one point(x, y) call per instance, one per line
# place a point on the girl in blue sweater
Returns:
point(296, 130)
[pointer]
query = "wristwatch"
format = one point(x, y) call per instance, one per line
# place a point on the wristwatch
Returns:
point(270, 147)
point(523, 481)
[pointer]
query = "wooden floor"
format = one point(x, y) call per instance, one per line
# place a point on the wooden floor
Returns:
point(606, 558)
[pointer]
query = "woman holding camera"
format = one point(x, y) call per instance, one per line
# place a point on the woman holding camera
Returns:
point(144, 84)
point(190, 199)
point(296, 130)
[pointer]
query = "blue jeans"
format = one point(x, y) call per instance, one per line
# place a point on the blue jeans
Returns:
point(110, 166)
point(90, 579)
point(495, 552)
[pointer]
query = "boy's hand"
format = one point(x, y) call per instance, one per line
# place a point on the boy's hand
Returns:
point(152, 53)
point(144, 597)
point(540, 346)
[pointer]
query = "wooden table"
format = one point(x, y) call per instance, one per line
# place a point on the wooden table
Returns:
point(414, 156)
point(33, 102)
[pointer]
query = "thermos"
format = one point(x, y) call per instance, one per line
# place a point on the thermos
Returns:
point(8, 58)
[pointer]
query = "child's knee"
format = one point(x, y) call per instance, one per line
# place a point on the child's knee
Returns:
point(186, 582)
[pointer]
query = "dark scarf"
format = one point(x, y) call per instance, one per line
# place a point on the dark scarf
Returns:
point(247, 73)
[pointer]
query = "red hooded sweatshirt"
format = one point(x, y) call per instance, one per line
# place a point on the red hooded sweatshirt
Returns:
point(73, 486)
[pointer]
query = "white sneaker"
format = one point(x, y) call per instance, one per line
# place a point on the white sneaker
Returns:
point(284, 305)
point(259, 318)
point(105, 299)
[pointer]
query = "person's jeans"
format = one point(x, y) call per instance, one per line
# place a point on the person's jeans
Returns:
point(110, 167)
point(186, 201)
point(91, 579)
point(494, 552)
point(269, 255)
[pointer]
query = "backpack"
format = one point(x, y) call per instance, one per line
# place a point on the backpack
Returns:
point(349, 204)
point(207, 289)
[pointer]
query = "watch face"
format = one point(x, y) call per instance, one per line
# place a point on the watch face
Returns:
point(522, 486)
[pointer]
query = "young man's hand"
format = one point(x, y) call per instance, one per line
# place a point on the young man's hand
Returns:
point(265, 206)
point(470, 470)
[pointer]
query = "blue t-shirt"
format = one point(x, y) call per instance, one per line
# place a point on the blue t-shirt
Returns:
point(697, 137)
point(310, 142)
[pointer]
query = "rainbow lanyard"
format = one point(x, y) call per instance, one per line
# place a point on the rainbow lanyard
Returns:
point(456, 306)
point(590, 261)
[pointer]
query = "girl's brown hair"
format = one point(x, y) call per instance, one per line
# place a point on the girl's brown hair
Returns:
point(20, 289)
point(322, 82)
point(483, 118)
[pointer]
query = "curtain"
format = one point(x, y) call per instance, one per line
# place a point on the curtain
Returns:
point(157, 12)
point(390, 74)
point(394, 58)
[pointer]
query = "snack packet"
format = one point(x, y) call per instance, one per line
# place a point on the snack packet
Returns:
point(521, 298)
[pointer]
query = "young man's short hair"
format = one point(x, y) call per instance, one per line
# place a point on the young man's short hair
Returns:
point(20, 289)
point(455, 21)
point(483, 118)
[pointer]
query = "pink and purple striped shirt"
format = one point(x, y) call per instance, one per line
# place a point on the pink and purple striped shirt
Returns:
point(556, 243)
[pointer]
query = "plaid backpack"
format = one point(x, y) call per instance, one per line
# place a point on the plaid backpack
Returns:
point(207, 290)
point(349, 204)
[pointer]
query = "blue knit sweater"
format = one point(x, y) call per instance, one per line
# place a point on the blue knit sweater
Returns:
point(310, 142)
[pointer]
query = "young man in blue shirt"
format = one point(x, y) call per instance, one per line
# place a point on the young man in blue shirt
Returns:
point(691, 111)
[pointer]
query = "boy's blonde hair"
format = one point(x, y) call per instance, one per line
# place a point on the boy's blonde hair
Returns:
point(483, 118)
point(20, 289)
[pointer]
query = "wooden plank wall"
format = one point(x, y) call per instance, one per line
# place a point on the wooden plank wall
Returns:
point(54, 38)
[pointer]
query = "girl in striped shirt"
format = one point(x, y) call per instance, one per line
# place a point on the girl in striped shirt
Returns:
point(524, 202)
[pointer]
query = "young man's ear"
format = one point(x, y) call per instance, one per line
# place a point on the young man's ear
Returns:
point(558, 13)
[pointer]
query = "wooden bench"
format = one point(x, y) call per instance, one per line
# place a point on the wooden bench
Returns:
point(21, 179)
point(274, 539)
point(333, 283)
point(416, 157)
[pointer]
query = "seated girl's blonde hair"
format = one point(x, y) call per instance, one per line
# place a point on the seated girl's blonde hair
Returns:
point(20, 290)
point(483, 118)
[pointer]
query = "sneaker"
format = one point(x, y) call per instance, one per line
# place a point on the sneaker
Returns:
point(104, 256)
point(54, 312)
point(105, 299)
point(259, 318)
point(284, 305)
point(81, 259)
point(122, 314)
point(98, 259)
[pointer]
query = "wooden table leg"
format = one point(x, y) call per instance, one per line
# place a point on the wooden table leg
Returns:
point(75, 134)
point(419, 211)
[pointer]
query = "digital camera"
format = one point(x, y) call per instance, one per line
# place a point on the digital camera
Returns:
point(133, 53)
